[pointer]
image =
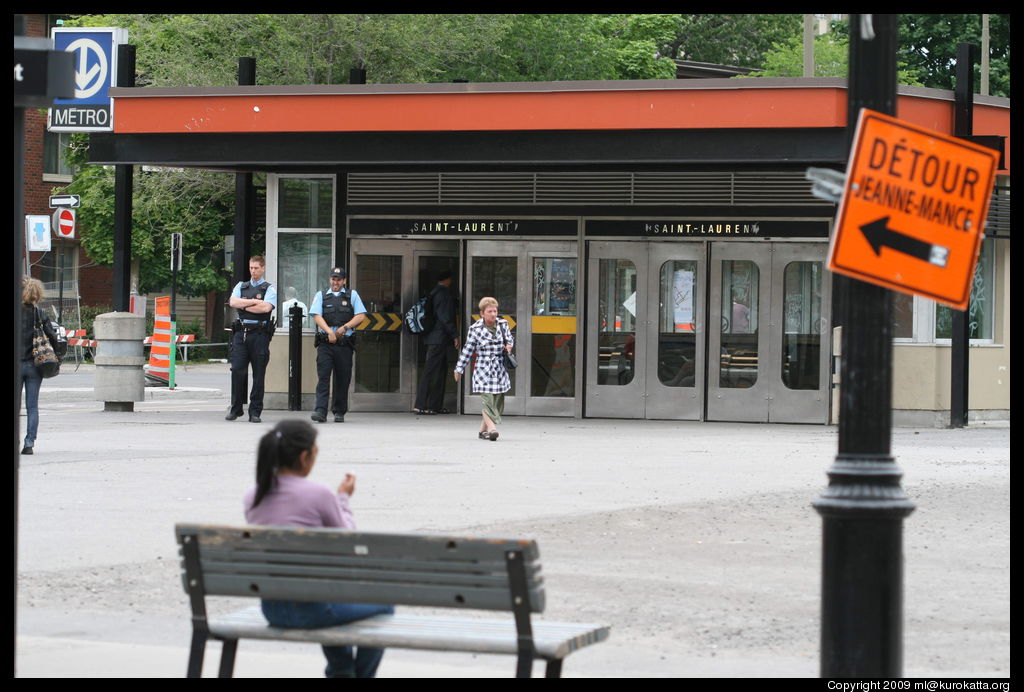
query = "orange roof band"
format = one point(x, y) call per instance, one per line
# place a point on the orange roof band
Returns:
point(469, 111)
point(552, 106)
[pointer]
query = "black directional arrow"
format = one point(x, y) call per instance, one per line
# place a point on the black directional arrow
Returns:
point(879, 235)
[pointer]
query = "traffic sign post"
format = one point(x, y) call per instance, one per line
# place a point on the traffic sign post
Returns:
point(913, 211)
point(64, 226)
point(863, 507)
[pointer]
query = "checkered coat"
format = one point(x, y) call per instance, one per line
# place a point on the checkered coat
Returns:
point(489, 375)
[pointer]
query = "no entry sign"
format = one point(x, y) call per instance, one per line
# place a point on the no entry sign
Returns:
point(913, 211)
point(64, 222)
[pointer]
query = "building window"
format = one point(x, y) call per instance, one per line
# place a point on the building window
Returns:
point(62, 260)
point(980, 310)
point(55, 151)
point(300, 256)
point(919, 320)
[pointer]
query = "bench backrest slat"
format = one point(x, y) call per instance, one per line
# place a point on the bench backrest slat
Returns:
point(327, 565)
point(420, 573)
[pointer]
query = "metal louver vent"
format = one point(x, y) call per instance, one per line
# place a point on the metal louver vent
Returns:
point(691, 188)
point(683, 188)
point(487, 188)
point(394, 188)
point(998, 223)
point(771, 188)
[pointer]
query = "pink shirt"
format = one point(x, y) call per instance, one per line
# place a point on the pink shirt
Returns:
point(295, 501)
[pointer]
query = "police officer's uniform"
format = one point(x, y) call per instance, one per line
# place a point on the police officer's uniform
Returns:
point(336, 309)
point(250, 345)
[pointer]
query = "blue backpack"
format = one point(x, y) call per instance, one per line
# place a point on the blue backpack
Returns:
point(418, 319)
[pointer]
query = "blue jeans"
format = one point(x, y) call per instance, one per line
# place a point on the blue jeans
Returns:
point(340, 661)
point(31, 379)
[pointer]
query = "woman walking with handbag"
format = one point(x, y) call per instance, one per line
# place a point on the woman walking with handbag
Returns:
point(490, 338)
point(36, 332)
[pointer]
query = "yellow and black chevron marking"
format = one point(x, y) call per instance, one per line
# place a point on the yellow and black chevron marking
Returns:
point(381, 322)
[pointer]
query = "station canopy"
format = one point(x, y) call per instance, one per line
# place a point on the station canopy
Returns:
point(606, 125)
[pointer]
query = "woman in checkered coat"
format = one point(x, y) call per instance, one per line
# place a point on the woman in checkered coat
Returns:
point(487, 337)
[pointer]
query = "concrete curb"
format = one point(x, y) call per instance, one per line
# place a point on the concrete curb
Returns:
point(61, 394)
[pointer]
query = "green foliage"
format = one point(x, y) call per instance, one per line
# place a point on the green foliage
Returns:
point(928, 43)
point(730, 39)
point(831, 58)
point(193, 327)
point(928, 46)
point(197, 204)
point(203, 49)
point(786, 59)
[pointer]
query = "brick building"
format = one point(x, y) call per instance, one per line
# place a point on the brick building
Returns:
point(44, 173)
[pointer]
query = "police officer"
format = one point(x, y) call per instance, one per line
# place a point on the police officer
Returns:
point(336, 312)
point(255, 300)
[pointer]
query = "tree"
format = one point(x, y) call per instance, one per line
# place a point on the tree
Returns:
point(831, 59)
point(196, 203)
point(730, 39)
point(558, 47)
point(203, 49)
point(928, 46)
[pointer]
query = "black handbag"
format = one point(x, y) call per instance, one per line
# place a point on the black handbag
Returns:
point(507, 359)
point(43, 355)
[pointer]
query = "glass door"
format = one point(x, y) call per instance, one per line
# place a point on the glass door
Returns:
point(738, 344)
point(554, 279)
point(493, 271)
point(768, 358)
point(430, 261)
point(535, 284)
point(801, 302)
point(387, 275)
point(617, 330)
point(675, 349)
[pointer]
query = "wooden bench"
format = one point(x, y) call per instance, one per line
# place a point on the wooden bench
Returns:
point(332, 565)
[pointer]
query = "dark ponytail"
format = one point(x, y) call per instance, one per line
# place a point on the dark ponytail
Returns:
point(280, 449)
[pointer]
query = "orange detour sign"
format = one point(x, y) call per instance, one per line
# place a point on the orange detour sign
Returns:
point(913, 210)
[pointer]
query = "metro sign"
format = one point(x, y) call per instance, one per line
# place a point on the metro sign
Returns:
point(95, 61)
point(913, 210)
point(64, 223)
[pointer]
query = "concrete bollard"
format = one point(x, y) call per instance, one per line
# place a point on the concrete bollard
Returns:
point(119, 360)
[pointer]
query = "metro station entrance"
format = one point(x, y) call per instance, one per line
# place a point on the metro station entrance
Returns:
point(662, 328)
point(390, 275)
point(724, 330)
point(535, 283)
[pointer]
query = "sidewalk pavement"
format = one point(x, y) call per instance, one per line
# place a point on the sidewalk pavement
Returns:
point(194, 381)
point(696, 542)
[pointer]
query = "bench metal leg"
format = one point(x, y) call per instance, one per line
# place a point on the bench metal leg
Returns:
point(195, 656)
point(524, 665)
point(554, 669)
point(227, 658)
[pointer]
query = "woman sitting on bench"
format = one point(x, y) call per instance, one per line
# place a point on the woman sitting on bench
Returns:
point(283, 497)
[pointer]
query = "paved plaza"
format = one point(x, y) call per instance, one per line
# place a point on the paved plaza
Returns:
point(696, 542)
